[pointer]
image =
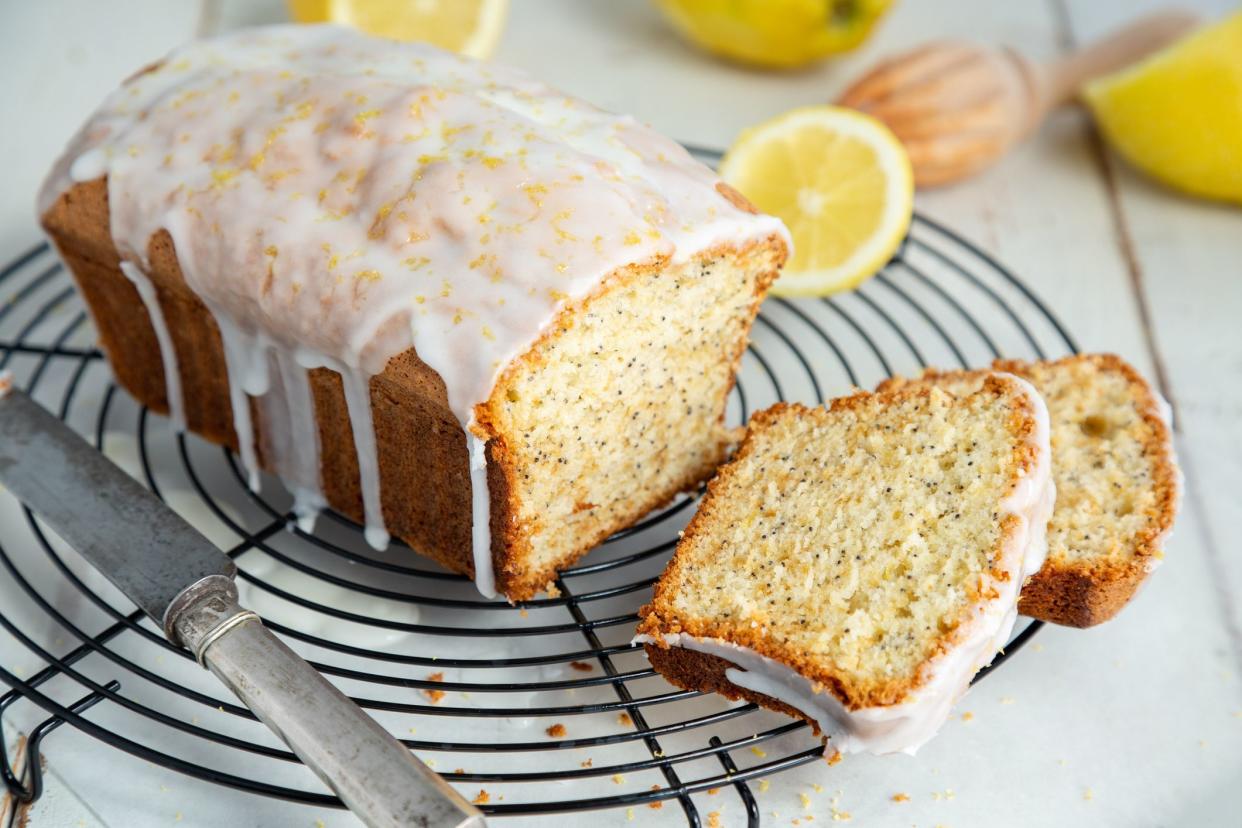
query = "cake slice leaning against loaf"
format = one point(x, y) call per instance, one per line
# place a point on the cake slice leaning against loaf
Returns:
point(1116, 475)
point(856, 565)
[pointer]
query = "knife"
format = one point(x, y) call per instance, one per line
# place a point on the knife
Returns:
point(185, 584)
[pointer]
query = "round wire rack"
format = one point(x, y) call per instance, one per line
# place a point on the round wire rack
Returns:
point(530, 703)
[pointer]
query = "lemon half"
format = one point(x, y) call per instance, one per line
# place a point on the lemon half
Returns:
point(468, 27)
point(841, 182)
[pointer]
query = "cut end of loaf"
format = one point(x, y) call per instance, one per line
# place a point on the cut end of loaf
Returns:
point(620, 406)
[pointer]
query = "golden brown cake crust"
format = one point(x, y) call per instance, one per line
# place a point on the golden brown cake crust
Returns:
point(693, 670)
point(1081, 593)
point(423, 463)
point(659, 618)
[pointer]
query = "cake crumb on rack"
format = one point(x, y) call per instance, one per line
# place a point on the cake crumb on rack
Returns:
point(713, 819)
point(624, 719)
point(629, 814)
point(764, 785)
point(967, 716)
point(759, 752)
point(618, 779)
point(435, 695)
point(581, 666)
point(483, 797)
point(835, 758)
point(806, 800)
point(587, 763)
point(901, 797)
point(556, 731)
point(1088, 794)
point(713, 791)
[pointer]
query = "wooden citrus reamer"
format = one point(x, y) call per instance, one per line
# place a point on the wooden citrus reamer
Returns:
point(958, 106)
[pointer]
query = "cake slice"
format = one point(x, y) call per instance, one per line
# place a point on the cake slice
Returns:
point(1116, 476)
point(856, 565)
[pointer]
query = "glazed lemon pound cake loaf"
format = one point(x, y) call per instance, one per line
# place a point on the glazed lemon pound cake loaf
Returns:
point(856, 565)
point(1116, 476)
point(433, 294)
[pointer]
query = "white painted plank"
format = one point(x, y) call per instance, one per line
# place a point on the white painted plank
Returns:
point(58, 59)
point(1187, 258)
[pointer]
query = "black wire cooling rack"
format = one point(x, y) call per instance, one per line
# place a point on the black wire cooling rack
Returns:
point(476, 687)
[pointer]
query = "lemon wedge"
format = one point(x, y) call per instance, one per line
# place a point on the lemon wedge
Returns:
point(469, 27)
point(840, 181)
point(1178, 115)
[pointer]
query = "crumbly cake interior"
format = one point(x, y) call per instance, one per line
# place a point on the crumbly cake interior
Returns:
point(851, 542)
point(1103, 463)
point(621, 406)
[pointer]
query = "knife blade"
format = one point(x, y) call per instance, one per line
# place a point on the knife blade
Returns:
point(185, 584)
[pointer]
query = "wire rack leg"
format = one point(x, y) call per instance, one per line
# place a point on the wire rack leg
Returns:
point(33, 766)
point(623, 693)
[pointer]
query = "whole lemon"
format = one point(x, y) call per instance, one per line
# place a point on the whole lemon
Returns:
point(775, 33)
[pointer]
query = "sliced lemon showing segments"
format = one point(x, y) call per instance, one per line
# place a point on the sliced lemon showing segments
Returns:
point(840, 181)
point(469, 27)
point(1178, 114)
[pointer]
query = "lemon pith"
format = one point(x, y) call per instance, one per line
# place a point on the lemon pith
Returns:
point(842, 184)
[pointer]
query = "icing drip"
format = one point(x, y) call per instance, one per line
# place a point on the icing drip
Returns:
point(358, 399)
point(292, 445)
point(480, 516)
point(357, 387)
point(245, 359)
point(350, 197)
point(172, 375)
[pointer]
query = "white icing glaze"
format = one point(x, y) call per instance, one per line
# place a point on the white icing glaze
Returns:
point(480, 515)
point(294, 450)
point(172, 375)
point(905, 727)
point(1165, 412)
point(354, 197)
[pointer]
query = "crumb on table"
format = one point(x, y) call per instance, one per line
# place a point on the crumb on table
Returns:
point(483, 797)
point(581, 666)
point(556, 731)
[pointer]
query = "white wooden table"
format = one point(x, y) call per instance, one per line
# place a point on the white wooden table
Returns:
point(1137, 722)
